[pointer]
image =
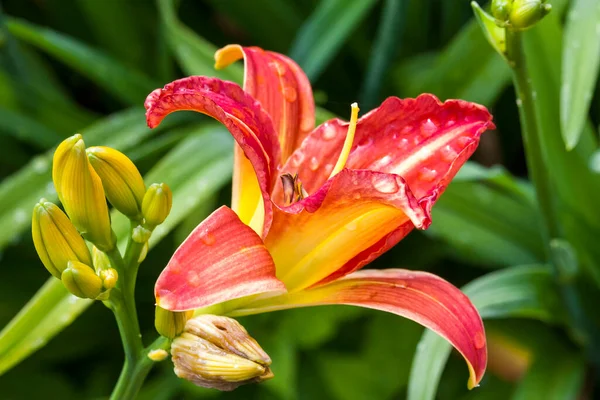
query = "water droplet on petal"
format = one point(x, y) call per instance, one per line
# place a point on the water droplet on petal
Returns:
point(427, 174)
point(450, 122)
point(352, 226)
point(479, 340)
point(278, 67)
point(384, 184)
point(208, 239)
point(290, 94)
point(400, 284)
point(448, 153)
point(428, 127)
point(356, 196)
point(403, 143)
point(297, 158)
point(313, 164)
point(328, 132)
point(464, 141)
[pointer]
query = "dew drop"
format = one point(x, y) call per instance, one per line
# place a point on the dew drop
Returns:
point(193, 278)
point(20, 216)
point(277, 67)
point(519, 102)
point(448, 153)
point(208, 239)
point(297, 158)
point(328, 168)
point(313, 164)
point(328, 132)
point(40, 165)
point(428, 127)
point(352, 226)
point(384, 184)
point(356, 196)
point(400, 284)
point(427, 174)
point(450, 123)
point(290, 94)
point(464, 141)
point(479, 340)
point(403, 143)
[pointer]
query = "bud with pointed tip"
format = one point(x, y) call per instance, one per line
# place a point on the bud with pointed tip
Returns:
point(109, 278)
point(81, 280)
point(55, 238)
point(170, 323)
point(157, 204)
point(80, 190)
point(526, 13)
point(501, 9)
point(121, 180)
point(217, 352)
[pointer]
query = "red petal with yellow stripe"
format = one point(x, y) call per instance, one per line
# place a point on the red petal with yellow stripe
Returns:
point(419, 296)
point(243, 116)
point(221, 260)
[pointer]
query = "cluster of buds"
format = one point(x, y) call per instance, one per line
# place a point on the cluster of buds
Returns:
point(84, 179)
point(519, 14)
point(217, 352)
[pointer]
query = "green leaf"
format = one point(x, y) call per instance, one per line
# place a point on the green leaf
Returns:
point(326, 30)
point(195, 55)
point(126, 84)
point(488, 217)
point(495, 35)
point(522, 291)
point(24, 128)
point(386, 46)
point(580, 67)
point(45, 315)
point(450, 77)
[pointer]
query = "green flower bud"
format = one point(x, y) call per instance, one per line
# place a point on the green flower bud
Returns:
point(80, 190)
point(501, 9)
point(55, 238)
point(217, 352)
point(170, 323)
point(81, 280)
point(121, 180)
point(526, 13)
point(109, 278)
point(157, 204)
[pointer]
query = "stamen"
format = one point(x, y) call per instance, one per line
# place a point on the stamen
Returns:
point(341, 162)
point(292, 189)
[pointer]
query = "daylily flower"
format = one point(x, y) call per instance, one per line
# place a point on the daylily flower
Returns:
point(348, 193)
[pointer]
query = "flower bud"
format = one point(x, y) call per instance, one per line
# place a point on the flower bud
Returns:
point(109, 278)
point(55, 238)
point(80, 190)
point(217, 352)
point(121, 180)
point(157, 204)
point(501, 9)
point(526, 13)
point(170, 323)
point(81, 280)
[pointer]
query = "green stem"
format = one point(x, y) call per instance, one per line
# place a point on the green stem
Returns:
point(122, 303)
point(134, 374)
point(536, 164)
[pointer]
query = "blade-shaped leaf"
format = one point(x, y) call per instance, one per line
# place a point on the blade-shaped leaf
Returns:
point(580, 67)
point(488, 217)
point(325, 31)
point(522, 291)
point(128, 85)
point(195, 55)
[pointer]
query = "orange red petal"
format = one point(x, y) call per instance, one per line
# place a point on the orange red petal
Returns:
point(282, 88)
point(420, 296)
point(222, 259)
point(249, 124)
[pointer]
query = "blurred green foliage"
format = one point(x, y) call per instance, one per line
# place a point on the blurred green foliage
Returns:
point(86, 66)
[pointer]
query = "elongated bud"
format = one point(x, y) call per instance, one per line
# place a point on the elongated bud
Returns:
point(55, 238)
point(217, 352)
point(81, 280)
point(170, 323)
point(519, 14)
point(157, 204)
point(121, 180)
point(526, 13)
point(80, 191)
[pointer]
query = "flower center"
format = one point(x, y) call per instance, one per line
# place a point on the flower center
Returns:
point(292, 189)
point(341, 162)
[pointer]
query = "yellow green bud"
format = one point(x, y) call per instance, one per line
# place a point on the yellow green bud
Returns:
point(80, 190)
point(109, 278)
point(217, 352)
point(157, 204)
point(526, 13)
point(157, 355)
point(81, 280)
point(170, 323)
point(121, 179)
point(55, 238)
point(100, 259)
point(501, 9)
